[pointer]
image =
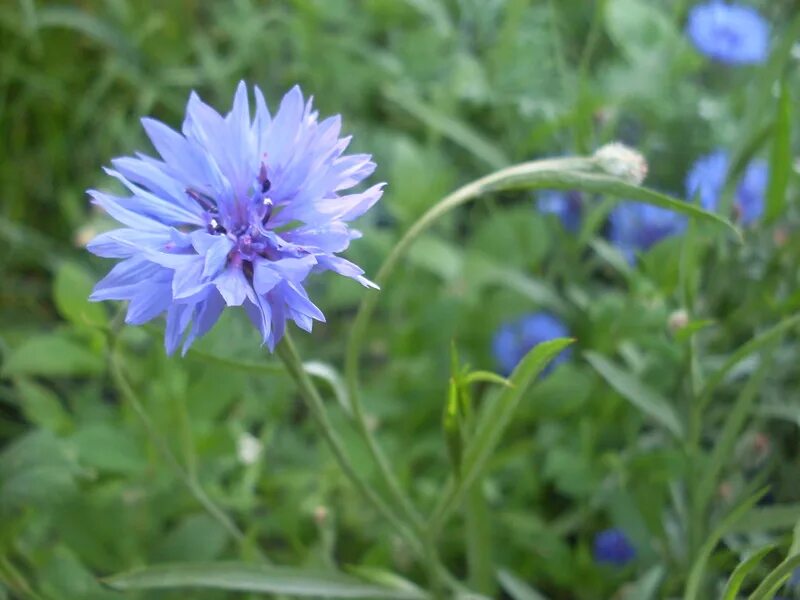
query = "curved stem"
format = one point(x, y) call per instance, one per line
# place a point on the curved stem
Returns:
point(288, 354)
point(541, 173)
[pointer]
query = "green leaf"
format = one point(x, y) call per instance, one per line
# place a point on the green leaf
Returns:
point(459, 132)
point(516, 588)
point(452, 428)
point(71, 289)
point(778, 517)
point(85, 23)
point(255, 578)
point(41, 406)
point(695, 580)
point(36, 469)
point(646, 587)
point(637, 393)
point(780, 164)
point(386, 579)
point(329, 375)
point(776, 578)
point(735, 419)
point(108, 449)
point(742, 570)
point(197, 537)
point(494, 420)
point(486, 377)
point(639, 28)
point(52, 355)
point(756, 344)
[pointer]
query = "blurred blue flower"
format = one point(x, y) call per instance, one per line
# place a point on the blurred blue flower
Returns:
point(707, 179)
point(637, 226)
point(238, 211)
point(730, 33)
point(751, 192)
point(567, 206)
point(513, 340)
point(611, 546)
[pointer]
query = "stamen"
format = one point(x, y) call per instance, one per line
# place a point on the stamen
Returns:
point(215, 226)
point(268, 204)
point(262, 179)
point(205, 201)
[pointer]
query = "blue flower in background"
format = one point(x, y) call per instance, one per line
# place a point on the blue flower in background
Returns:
point(567, 206)
point(515, 339)
point(637, 226)
point(707, 180)
point(238, 211)
point(611, 546)
point(751, 192)
point(730, 33)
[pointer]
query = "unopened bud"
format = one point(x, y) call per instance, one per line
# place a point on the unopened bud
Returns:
point(678, 320)
point(321, 514)
point(620, 161)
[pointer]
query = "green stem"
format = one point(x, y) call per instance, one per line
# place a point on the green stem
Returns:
point(518, 175)
point(421, 543)
point(288, 354)
point(160, 442)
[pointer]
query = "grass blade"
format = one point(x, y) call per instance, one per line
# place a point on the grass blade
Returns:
point(776, 579)
point(255, 578)
point(742, 570)
point(780, 162)
point(695, 579)
point(637, 393)
point(492, 424)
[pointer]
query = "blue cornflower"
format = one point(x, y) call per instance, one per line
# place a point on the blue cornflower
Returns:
point(513, 340)
point(612, 546)
point(567, 206)
point(238, 211)
point(636, 226)
point(730, 33)
point(707, 179)
point(751, 192)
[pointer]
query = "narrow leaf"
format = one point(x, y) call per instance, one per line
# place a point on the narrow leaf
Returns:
point(451, 425)
point(780, 163)
point(516, 588)
point(255, 578)
point(458, 131)
point(772, 582)
point(493, 422)
point(756, 344)
point(742, 570)
point(637, 393)
point(695, 579)
point(329, 375)
point(486, 377)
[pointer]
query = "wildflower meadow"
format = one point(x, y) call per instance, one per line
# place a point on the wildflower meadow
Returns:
point(400, 299)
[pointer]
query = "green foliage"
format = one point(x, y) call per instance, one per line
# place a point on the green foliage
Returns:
point(664, 427)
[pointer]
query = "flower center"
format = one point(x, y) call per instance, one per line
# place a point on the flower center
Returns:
point(246, 225)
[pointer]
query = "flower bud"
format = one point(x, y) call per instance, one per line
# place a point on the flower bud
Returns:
point(620, 161)
point(678, 320)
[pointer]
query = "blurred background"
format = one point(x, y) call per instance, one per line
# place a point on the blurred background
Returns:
point(440, 92)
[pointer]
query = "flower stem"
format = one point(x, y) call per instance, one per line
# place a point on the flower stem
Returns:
point(160, 442)
point(288, 354)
